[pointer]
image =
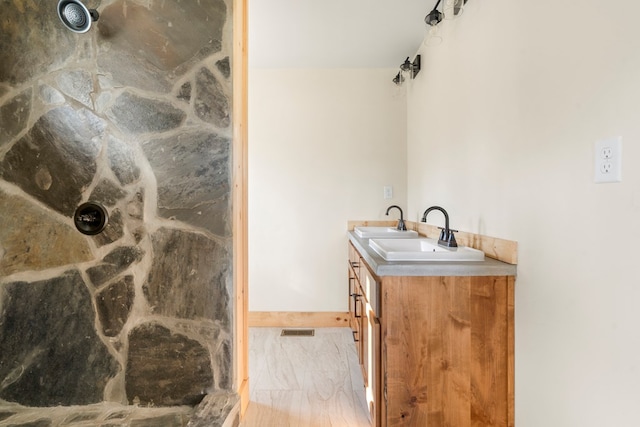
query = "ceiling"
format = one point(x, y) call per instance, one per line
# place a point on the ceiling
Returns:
point(335, 33)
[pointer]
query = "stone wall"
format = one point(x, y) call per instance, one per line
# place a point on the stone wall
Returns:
point(134, 115)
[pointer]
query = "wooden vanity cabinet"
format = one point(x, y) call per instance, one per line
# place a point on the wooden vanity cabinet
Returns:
point(366, 328)
point(443, 350)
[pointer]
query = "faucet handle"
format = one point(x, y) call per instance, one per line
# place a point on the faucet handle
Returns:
point(448, 240)
point(451, 241)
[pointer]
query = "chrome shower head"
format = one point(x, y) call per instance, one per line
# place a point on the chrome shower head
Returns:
point(75, 15)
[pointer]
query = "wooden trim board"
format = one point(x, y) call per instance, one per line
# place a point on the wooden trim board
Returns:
point(239, 195)
point(511, 389)
point(290, 319)
point(382, 223)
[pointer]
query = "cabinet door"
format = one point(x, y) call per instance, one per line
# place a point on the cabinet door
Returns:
point(448, 351)
point(365, 339)
point(371, 364)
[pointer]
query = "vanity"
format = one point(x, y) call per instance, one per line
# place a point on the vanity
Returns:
point(435, 338)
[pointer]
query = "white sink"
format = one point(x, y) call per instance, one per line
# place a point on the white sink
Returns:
point(383, 232)
point(422, 249)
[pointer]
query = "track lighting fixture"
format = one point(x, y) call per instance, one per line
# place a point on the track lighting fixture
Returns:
point(407, 68)
point(412, 68)
point(398, 79)
point(432, 19)
point(435, 16)
point(453, 8)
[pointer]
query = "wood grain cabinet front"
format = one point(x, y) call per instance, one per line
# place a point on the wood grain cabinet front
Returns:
point(437, 350)
point(354, 294)
point(366, 328)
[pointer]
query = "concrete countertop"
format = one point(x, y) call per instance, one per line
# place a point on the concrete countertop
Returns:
point(380, 267)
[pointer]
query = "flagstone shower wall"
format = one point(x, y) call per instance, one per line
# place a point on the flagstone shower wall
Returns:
point(135, 115)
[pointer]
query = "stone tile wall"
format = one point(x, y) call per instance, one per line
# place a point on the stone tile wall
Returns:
point(135, 115)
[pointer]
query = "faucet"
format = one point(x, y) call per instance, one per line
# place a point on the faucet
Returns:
point(401, 225)
point(446, 235)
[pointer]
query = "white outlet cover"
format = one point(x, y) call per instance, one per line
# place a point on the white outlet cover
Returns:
point(608, 160)
point(388, 192)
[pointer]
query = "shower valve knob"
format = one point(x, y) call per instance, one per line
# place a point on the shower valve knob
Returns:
point(90, 218)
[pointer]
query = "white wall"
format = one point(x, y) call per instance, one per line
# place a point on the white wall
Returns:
point(501, 132)
point(501, 127)
point(322, 145)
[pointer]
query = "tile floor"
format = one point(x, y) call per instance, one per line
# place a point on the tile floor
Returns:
point(304, 381)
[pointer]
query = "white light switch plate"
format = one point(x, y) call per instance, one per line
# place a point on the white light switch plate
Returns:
point(608, 160)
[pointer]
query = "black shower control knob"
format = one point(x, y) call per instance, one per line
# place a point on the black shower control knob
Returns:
point(91, 218)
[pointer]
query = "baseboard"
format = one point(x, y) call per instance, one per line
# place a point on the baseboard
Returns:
point(291, 319)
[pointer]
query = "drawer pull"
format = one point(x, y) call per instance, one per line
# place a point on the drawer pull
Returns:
point(354, 336)
point(355, 305)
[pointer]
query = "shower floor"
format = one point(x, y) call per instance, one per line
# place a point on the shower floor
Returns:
point(107, 414)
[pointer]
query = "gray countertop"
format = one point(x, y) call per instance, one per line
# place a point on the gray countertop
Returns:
point(380, 267)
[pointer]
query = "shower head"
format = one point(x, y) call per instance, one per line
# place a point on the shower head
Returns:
point(75, 15)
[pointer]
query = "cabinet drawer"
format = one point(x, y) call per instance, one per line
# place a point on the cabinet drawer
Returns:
point(370, 289)
point(355, 294)
point(354, 260)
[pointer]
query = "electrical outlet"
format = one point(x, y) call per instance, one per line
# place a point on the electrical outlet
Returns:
point(388, 192)
point(608, 160)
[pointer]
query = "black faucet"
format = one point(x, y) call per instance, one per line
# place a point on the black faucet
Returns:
point(401, 225)
point(446, 235)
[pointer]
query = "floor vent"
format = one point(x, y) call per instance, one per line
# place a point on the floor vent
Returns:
point(297, 333)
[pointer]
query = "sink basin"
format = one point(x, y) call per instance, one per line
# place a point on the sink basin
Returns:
point(422, 249)
point(383, 232)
